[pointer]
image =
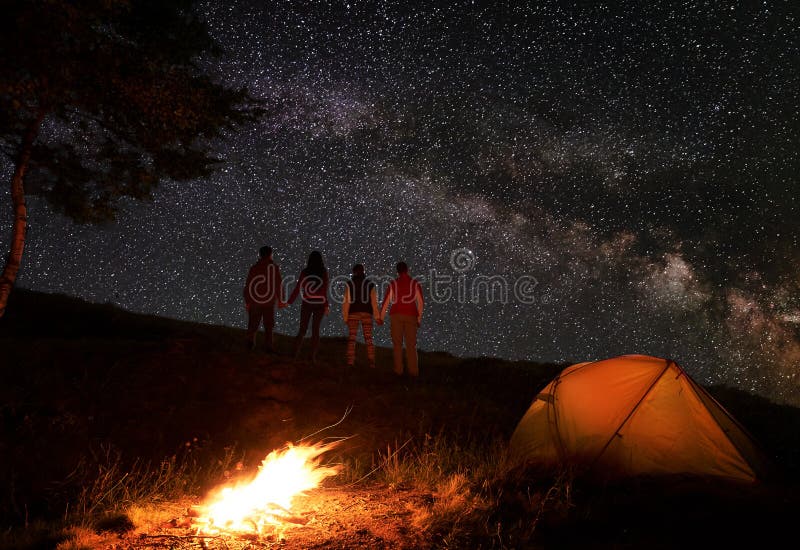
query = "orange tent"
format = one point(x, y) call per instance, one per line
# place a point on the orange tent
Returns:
point(633, 415)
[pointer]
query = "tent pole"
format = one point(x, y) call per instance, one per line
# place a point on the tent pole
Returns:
point(633, 410)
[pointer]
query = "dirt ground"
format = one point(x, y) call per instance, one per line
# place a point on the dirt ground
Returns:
point(101, 388)
point(376, 517)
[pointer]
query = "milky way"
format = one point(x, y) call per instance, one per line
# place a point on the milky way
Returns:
point(636, 168)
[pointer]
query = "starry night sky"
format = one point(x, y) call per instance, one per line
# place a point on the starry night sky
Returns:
point(638, 165)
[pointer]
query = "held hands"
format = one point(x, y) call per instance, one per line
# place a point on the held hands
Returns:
point(282, 304)
point(379, 321)
point(327, 309)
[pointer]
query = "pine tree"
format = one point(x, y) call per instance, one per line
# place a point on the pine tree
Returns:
point(102, 99)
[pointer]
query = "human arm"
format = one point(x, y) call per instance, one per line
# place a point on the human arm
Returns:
point(279, 287)
point(325, 285)
point(420, 302)
point(246, 290)
point(373, 300)
point(387, 300)
point(296, 290)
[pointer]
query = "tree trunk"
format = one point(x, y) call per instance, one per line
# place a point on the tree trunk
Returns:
point(20, 212)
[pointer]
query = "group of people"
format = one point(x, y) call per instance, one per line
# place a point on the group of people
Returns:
point(403, 301)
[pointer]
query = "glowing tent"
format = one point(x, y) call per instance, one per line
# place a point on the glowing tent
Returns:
point(634, 415)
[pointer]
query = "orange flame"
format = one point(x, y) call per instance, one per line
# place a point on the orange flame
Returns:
point(266, 500)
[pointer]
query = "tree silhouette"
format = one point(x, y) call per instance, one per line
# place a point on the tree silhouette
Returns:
point(102, 99)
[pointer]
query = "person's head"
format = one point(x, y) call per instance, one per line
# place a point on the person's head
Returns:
point(265, 252)
point(402, 267)
point(358, 270)
point(315, 265)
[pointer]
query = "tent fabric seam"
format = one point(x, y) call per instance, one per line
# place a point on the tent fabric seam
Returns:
point(633, 411)
point(729, 416)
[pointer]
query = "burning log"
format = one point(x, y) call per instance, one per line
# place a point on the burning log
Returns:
point(264, 503)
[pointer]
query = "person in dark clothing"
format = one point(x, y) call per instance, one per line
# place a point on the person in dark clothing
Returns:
point(313, 284)
point(263, 290)
point(360, 308)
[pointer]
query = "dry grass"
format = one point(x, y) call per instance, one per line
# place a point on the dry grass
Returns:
point(136, 423)
point(453, 512)
point(113, 497)
point(108, 487)
point(80, 538)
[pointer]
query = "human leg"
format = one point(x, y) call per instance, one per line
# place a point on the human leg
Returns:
point(352, 333)
point(410, 336)
point(316, 321)
point(253, 321)
point(305, 317)
point(366, 328)
point(396, 329)
point(268, 316)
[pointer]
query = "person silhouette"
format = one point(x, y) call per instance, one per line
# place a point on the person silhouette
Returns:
point(313, 284)
point(263, 290)
point(360, 308)
point(404, 295)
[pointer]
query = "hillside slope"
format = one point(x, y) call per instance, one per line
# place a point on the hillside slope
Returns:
point(94, 376)
point(85, 388)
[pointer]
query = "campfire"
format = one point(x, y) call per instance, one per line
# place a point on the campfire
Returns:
point(264, 503)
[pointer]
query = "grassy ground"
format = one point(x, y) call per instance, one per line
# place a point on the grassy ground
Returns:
point(105, 413)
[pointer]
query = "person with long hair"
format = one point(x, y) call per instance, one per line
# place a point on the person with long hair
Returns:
point(313, 285)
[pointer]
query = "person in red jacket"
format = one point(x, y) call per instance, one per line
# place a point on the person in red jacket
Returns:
point(405, 297)
point(263, 290)
point(313, 284)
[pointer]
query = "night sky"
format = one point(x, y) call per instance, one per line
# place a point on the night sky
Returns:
point(633, 170)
